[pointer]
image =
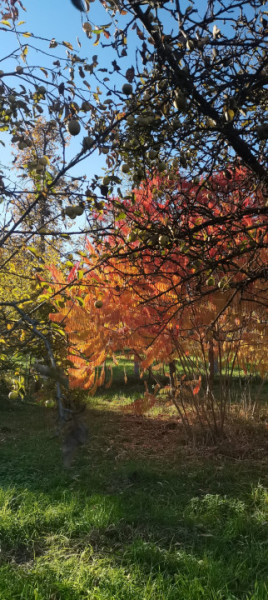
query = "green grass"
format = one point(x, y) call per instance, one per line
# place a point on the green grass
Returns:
point(124, 391)
point(140, 515)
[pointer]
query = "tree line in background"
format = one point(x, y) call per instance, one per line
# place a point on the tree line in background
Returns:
point(169, 255)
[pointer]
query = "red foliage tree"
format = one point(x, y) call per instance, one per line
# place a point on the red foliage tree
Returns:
point(178, 282)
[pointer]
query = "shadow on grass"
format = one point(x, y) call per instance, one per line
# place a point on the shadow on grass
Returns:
point(139, 515)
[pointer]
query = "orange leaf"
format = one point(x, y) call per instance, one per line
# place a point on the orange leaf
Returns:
point(198, 386)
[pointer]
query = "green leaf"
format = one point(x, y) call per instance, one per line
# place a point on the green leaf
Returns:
point(24, 53)
point(61, 331)
point(43, 297)
point(60, 303)
point(80, 301)
point(120, 217)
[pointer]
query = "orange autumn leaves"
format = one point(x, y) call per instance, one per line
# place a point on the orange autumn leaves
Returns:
point(176, 276)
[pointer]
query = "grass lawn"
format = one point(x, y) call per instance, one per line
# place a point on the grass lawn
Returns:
point(140, 515)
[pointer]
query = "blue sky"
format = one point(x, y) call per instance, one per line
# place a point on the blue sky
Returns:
point(60, 20)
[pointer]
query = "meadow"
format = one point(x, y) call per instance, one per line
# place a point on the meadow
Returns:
point(140, 515)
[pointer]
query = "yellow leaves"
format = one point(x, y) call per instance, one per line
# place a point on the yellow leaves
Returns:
point(66, 44)
point(100, 359)
point(96, 43)
point(34, 251)
point(4, 22)
point(150, 355)
point(119, 116)
point(44, 71)
point(24, 53)
point(89, 384)
point(44, 297)
point(80, 301)
point(229, 115)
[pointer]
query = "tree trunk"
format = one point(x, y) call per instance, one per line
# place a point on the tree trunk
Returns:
point(136, 367)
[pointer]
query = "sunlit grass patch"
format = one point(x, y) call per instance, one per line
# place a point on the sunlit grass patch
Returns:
point(127, 521)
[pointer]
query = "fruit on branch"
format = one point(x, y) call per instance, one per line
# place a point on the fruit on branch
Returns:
point(73, 211)
point(41, 90)
point(127, 89)
point(104, 150)
point(43, 161)
point(125, 168)
point(88, 142)
point(22, 145)
point(152, 154)
point(79, 210)
point(130, 120)
point(98, 304)
point(86, 106)
point(74, 127)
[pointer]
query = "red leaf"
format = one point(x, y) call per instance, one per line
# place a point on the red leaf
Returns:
point(198, 386)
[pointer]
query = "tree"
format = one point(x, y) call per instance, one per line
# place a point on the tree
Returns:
point(212, 226)
point(192, 100)
point(196, 94)
point(163, 301)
